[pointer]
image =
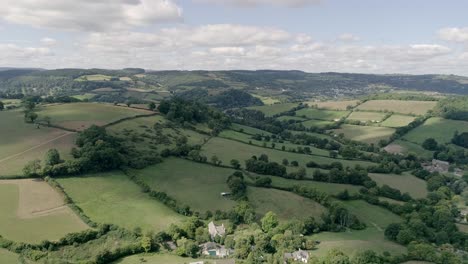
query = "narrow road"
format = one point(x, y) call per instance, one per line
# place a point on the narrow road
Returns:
point(35, 147)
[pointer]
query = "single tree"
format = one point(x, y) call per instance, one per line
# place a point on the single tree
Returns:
point(152, 106)
point(269, 221)
point(2, 106)
point(52, 157)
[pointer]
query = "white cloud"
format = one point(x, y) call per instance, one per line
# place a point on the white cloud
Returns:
point(454, 34)
point(48, 41)
point(254, 3)
point(228, 51)
point(89, 15)
point(348, 37)
point(14, 55)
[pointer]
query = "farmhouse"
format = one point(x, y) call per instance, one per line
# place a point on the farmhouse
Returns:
point(215, 230)
point(300, 255)
point(215, 250)
point(437, 166)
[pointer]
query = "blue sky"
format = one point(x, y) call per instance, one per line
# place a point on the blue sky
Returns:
point(312, 35)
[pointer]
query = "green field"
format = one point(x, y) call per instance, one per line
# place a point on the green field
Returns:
point(82, 115)
point(330, 188)
point(442, 130)
point(366, 116)
point(231, 134)
point(113, 198)
point(398, 106)
point(334, 105)
point(240, 151)
point(271, 110)
point(21, 142)
point(8, 257)
point(94, 77)
point(322, 136)
point(367, 134)
point(313, 113)
point(164, 259)
point(405, 183)
point(406, 147)
point(287, 118)
point(25, 218)
point(398, 121)
point(317, 123)
point(194, 184)
point(86, 96)
point(353, 241)
point(285, 204)
point(249, 130)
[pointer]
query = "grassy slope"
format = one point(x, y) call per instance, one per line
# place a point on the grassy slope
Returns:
point(366, 116)
point(270, 110)
point(52, 226)
point(405, 183)
point(330, 188)
point(249, 130)
point(398, 121)
point(316, 123)
point(352, 241)
point(8, 257)
point(368, 134)
point(440, 129)
point(231, 134)
point(113, 198)
point(398, 106)
point(312, 113)
point(82, 115)
point(195, 184)
point(285, 204)
point(240, 151)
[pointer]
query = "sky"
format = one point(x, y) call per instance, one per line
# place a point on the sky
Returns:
point(361, 36)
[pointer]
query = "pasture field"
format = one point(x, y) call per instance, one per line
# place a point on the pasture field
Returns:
point(166, 259)
point(249, 130)
point(94, 77)
point(367, 134)
point(366, 116)
point(31, 211)
point(80, 116)
point(113, 198)
point(398, 121)
point(240, 151)
point(195, 184)
point(398, 106)
point(405, 183)
point(322, 136)
point(334, 105)
point(231, 134)
point(10, 102)
point(266, 99)
point(287, 118)
point(313, 113)
point(354, 241)
point(442, 130)
point(21, 142)
point(317, 123)
point(271, 110)
point(286, 205)
point(330, 188)
point(405, 147)
point(8, 257)
point(390, 201)
point(142, 128)
point(85, 96)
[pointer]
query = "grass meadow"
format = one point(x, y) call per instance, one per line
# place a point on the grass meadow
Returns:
point(367, 134)
point(313, 113)
point(405, 183)
point(330, 188)
point(32, 211)
point(113, 198)
point(398, 106)
point(405, 147)
point(366, 116)
point(286, 205)
point(271, 110)
point(442, 130)
point(195, 184)
point(398, 121)
point(249, 130)
point(80, 116)
point(334, 105)
point(240, 151)
point(317, 123)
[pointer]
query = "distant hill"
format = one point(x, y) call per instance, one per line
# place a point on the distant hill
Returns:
point(291, 84)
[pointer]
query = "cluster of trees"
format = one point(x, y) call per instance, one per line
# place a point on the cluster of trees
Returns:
point(453, 108)
point(180, 110)
point(447, 152)
point(262, 165)
point(339, 174)
point(460, 139)
point(237, 186)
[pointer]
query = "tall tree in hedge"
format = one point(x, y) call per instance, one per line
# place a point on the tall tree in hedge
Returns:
point(32, 168)
point(152, 106)
point(2, 106)
point(430, 144)
point(269, 221)
point(52, 157)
